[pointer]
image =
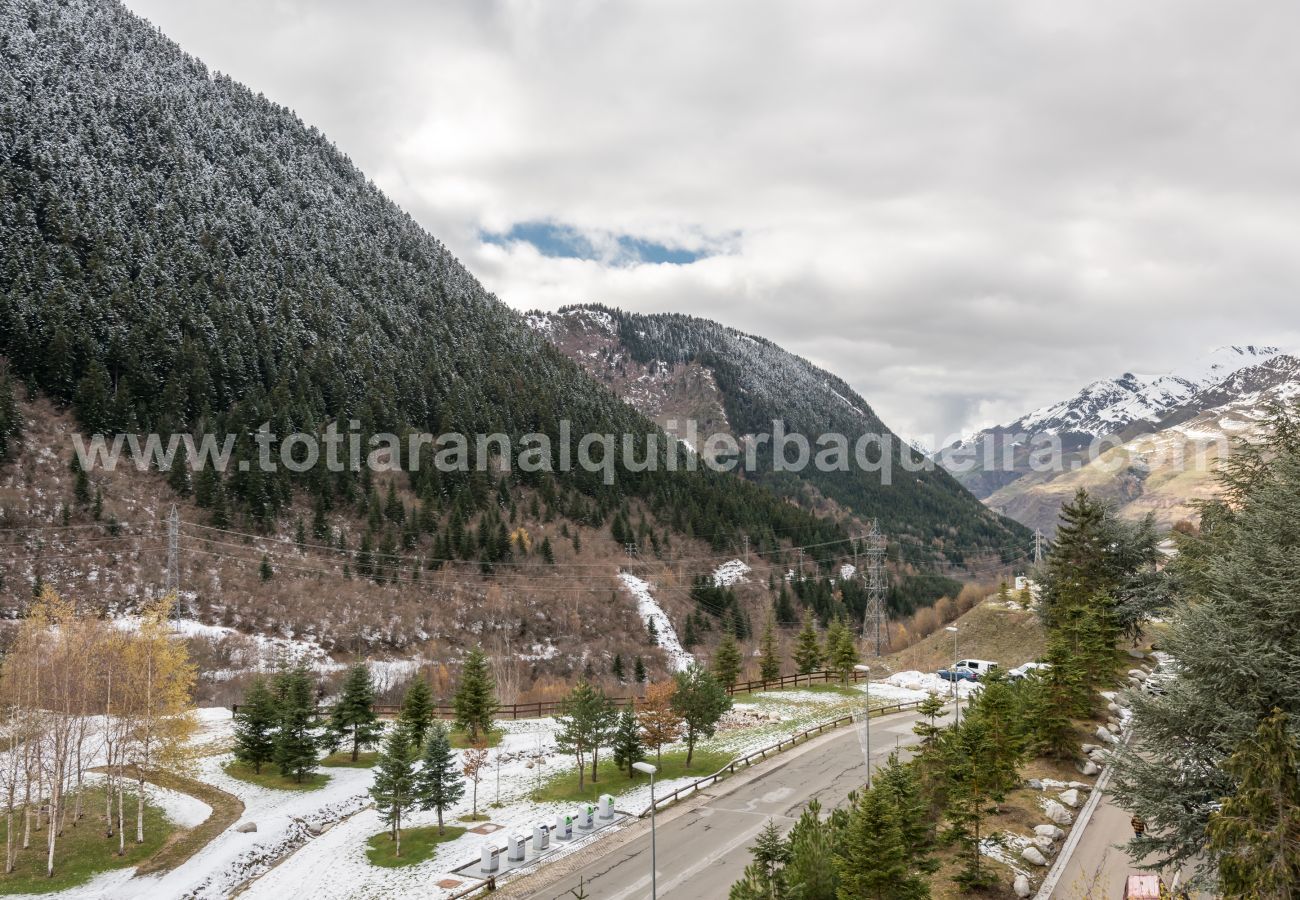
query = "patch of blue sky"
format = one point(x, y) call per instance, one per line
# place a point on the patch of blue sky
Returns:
point(566, 242)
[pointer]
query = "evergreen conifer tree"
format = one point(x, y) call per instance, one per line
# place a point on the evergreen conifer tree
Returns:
point(626, 743)
point(417, 711)
point(353, 718)
point(439, 785)
point(393, 789)
point(807, 651)
point(873, 859)
point(255, 724)
point(298, 731)
point(475, 701)
point(1255, 835)
point(700, 701)
point(726, 661)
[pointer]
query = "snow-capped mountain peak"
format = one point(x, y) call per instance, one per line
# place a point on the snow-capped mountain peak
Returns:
point(1109, 405)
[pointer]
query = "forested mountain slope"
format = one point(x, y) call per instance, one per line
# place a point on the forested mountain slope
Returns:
point(181, 253)
point(675, 367)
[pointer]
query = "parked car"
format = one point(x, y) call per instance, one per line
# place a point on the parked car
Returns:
point(980, 667)
point(958, 673)
point(1027, 669)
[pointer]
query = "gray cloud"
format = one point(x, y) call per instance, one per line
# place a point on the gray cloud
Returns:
point(966, 210)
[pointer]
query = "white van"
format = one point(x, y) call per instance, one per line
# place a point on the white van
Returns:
point(981, 667)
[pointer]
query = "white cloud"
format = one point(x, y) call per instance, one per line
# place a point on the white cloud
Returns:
point(965, 210)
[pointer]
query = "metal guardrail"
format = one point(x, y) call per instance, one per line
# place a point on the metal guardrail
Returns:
point(748, 759)
point(763, 752)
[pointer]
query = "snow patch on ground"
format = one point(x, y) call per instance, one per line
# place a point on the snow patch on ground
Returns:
point(921, 683)
point(678, 657)
point(730, 572)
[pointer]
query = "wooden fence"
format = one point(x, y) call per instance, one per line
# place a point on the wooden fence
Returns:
point(541, 708)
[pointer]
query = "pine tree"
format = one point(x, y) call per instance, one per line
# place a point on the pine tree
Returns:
point(255, 723)
point(548, 554)
point(652, 631)
point(807, 651)
point(626, 746)
point(475, 701)
point(844, 654)
point(690, 635)
point(783, 609)
point(810, 873)
point(265, 570)
point(927, 729)
point(873, 861)
point(178, 477)
point(726, 661)
point(764, 878)
point(353, 718)
point(1255, 835)
point(701, 701)
point(585, 725)
point(769, 662)
point(638, 671)
point(393, 789)
point(297, 733)
point(416, 715)
point(439, 785)
point(901, 783)
point(967, 777)
point(616, 667)
point(834, 634)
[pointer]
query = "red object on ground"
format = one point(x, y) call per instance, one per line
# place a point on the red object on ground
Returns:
point(1142, 887)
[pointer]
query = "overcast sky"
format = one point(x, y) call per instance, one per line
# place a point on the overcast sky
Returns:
point(965, 209)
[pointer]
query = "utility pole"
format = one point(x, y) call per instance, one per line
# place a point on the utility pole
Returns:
point(1038, 546)
point(630, 549)
point(746, 549)
point(173, 584)
point(875, 626)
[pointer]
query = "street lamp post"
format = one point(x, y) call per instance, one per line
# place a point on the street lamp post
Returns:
point(866, 720)
point(650, 770)
point(956, 694)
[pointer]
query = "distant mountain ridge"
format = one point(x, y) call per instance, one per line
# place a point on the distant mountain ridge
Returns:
point(674, 367)
point(1146, 419)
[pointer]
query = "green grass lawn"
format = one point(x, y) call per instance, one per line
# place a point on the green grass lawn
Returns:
point(270, 777)
point(343, 760)
point(564, 786)
point(82, 851)
point(418, 844)
point(460, 741)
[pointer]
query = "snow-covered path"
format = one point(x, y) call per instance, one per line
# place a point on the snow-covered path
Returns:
point(678, 657)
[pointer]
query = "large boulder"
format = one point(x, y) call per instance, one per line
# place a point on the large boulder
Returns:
point(1033, 856)
point(1104, 735)
point(1021, 886)
point(246, 827)
point(1139, 674)
point(1136, 654)
point(1113, 707)
point(1088, 748)
point(1058, 814)
point(1034, 784)
point(1088, 767)
point(1044, 844)
point(1049, 831)
point(1070, 798)
point(1113, 727)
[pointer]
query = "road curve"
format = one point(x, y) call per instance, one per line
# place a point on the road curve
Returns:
point(704, 849)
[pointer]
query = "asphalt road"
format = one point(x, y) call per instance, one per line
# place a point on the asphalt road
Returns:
point(704, 850)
